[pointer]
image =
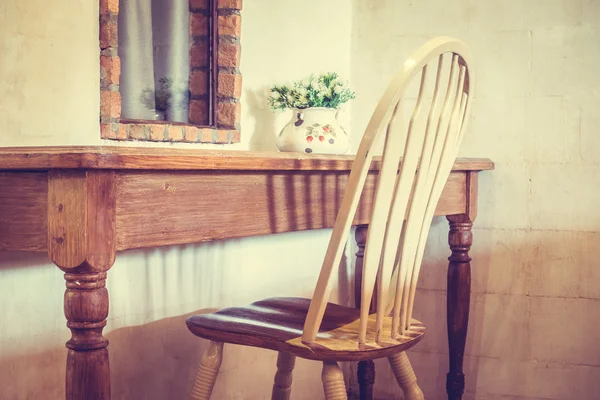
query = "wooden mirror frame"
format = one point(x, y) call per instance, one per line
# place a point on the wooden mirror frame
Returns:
point(224, 21)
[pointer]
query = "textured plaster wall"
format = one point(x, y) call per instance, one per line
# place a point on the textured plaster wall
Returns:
point(49, 95)
point(535, 278)
point(49, 73)
point(536, 282)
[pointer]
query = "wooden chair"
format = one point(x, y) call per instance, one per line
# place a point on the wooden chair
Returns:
point(417, 159)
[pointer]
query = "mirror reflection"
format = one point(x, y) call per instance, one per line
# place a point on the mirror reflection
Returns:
point(155, 37)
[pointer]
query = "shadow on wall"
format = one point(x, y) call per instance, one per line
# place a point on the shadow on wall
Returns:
point(27, 376)
point(264, 137)
point(155, 359)
point(21, 259)
point(159, 361)
point(520, 292)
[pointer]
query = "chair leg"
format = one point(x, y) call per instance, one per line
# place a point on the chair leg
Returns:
point(207, 372)
point(405, 376)
point(283, 377)
point(333, 381)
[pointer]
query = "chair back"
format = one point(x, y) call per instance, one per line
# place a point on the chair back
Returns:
point(417, 160)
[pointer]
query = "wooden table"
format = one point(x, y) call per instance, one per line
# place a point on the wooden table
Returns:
point(81, 205)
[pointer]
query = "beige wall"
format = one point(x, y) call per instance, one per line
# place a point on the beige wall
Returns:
point(49, 69)
point(535, 303)
point(536, 281)
point(49, 91)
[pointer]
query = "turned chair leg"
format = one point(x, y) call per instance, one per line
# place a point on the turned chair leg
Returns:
point(283, 377)
point(207, 372)
point(405, 376)
point(333, 381)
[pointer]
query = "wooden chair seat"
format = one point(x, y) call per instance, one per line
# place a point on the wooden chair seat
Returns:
point(277, 323)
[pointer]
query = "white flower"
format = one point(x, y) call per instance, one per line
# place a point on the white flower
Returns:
point(325, 89)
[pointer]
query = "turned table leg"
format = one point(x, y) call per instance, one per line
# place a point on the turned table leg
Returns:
point(366, 379)
point(366, 369)
point(460, 239)
point(86, 309)
point(81, 242)
point(282, 385)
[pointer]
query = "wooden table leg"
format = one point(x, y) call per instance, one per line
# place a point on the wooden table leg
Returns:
point(86, 309)
point(366, 369)
point(81, 242)
point(460, 239)
point(366, 379)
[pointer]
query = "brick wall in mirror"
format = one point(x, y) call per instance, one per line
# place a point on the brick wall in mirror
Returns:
point(169, 70)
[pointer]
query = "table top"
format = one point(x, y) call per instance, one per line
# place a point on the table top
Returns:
point(145, 158)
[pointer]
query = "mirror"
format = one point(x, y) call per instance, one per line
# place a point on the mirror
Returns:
point(166, 49)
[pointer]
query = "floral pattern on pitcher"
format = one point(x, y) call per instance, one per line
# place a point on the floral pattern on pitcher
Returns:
point(318, 131)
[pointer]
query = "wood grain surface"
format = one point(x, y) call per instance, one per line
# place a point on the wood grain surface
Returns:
point(23, 211)
point(194, 206)
point(277, 324)
point(145, 158)
point(202, 206)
